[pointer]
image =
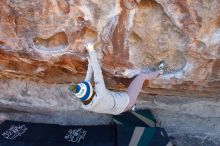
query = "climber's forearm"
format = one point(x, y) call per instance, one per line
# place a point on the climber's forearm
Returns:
point(89, 73)
point(98, 77)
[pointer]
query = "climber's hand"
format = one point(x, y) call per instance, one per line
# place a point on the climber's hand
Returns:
point(89, 46)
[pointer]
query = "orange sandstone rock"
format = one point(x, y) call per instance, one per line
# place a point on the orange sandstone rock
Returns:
point(44, 41)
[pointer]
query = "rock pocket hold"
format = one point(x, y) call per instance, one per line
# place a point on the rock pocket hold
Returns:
point(55, 43)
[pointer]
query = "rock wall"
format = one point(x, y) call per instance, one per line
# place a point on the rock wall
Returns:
point(43, 40)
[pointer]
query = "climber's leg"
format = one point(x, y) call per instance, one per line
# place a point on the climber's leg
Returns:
point(136, 85)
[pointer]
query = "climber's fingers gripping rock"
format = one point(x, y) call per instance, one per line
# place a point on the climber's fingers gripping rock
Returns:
point(89, 47)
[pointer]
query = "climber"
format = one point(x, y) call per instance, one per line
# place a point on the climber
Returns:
point(100, 99)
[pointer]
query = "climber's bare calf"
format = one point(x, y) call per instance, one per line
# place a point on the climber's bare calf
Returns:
point(136, 85)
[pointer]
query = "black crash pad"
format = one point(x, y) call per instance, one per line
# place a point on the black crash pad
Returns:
point(33, 134)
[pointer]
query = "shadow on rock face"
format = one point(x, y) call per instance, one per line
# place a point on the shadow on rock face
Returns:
point(57, 42)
